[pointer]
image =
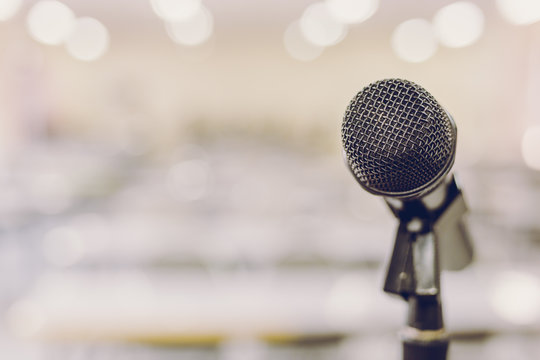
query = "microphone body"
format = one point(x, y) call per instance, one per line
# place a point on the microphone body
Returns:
point(399, 143)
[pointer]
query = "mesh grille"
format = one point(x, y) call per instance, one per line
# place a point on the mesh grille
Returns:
point(397, 138)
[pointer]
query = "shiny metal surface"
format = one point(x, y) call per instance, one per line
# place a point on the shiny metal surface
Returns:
point(398, 140)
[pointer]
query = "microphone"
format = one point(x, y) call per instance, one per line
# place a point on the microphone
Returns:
point(400, 143)
point(398, 140)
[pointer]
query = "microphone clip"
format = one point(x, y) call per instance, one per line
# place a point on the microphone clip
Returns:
point(431, 236)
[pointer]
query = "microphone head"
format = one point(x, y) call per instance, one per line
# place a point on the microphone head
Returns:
point(398, 141)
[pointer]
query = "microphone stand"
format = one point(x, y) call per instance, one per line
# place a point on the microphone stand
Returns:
point(414, 272)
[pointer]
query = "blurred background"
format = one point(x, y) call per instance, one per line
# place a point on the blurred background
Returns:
point(171, 181)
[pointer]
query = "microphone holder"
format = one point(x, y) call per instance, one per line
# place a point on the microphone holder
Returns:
point(414, 272)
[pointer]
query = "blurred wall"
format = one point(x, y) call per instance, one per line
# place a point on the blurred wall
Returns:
point(150, 91)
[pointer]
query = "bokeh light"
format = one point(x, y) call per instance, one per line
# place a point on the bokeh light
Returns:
point(63, 246)
point(8, 8)
point(320, 27)
point(519, 12)
point(414, 40)
point(348, 300)
point(139, 188)
point(459, 24)
point(193, 30)
point(189, 180)
point(175, 10)
point(50, 22)
point(530, 147)
point(51, 192)
point(25, 318)
point(352, 11)
point(515, 297)
point(89, 39)
point(298, 47)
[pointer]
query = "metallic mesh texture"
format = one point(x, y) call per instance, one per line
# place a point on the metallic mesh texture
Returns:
point(397, 138)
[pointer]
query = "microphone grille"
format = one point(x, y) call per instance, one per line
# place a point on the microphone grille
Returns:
point(398, 140)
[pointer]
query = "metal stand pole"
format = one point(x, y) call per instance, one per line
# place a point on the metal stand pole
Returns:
point(415, 268)
point(414, 274)
point(423, 343)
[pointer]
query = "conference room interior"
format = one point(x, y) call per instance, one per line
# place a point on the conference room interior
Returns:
point(172, 181)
